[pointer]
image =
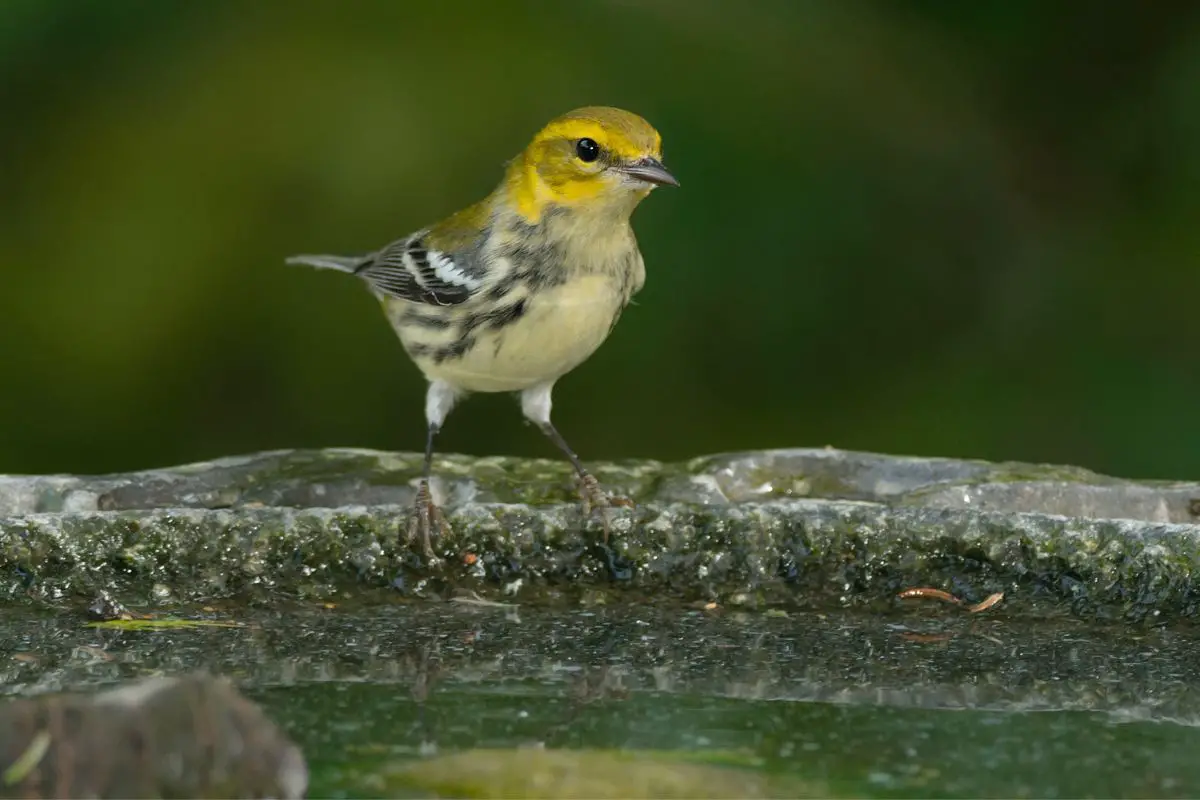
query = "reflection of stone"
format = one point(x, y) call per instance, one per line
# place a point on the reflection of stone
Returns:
point(164, 737)
point(370, 665)
point(808, 526)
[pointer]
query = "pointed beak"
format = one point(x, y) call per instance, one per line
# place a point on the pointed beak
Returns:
point(650, 170)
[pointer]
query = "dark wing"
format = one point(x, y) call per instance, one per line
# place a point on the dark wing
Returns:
point(410, 270)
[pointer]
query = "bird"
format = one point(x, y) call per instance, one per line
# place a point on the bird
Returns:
point(515, 291)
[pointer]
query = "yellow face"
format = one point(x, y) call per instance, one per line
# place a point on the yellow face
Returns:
point(596, 158)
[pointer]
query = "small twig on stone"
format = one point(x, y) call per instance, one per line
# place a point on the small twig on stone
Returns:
point(988, 602)
point(938, 594)
point(473, 599)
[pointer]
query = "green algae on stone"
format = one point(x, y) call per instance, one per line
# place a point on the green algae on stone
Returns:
point(539, 773)
point(170, 623)
point(799, 553)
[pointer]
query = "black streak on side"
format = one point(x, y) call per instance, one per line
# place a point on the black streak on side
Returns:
point(507, 315)
point(455, 350)
point(431, 322)
point(537, 262)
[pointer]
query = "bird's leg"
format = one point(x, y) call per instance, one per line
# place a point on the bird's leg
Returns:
point(535, 404)
point(589, 488)
point(426, 515)
point(591, 496)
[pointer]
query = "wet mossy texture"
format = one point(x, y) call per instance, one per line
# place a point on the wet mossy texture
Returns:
point(801, 529)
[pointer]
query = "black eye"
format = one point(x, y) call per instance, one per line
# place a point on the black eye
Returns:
point(587, 149)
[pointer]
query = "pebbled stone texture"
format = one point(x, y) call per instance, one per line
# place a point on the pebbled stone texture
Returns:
point(804, 528)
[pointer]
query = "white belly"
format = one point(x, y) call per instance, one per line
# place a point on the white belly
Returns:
point(561, 327)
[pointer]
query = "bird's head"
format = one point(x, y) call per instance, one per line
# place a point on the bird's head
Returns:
point(594, 160)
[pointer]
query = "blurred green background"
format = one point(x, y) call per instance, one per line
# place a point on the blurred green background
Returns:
point(944, 228)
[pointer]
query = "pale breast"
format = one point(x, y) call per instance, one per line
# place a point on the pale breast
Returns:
point(529, 339)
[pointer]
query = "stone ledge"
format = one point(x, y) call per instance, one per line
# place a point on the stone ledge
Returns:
point(792, 528)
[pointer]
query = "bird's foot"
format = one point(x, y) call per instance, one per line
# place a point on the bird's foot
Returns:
point(425, 519)
point(593, 498)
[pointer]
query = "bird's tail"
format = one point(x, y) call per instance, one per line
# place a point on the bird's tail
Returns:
point(340, 263)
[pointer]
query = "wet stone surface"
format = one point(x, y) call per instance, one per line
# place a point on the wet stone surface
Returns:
point(792, 529)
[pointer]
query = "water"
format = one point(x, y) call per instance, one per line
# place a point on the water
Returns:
point(352, 731)
point(929, 702)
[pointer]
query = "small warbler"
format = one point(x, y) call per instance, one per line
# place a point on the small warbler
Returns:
point(512, 293)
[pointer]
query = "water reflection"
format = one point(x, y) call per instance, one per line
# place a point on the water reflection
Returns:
point(928, 656)
point(824, 696)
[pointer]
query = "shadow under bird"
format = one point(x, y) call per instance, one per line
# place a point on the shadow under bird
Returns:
point(515, 291)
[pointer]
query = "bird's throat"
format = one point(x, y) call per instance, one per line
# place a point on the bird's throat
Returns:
point(533, 194)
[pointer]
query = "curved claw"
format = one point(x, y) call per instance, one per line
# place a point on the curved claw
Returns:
point(593, 498)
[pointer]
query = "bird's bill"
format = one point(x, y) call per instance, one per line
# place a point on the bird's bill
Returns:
point(650, 170)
